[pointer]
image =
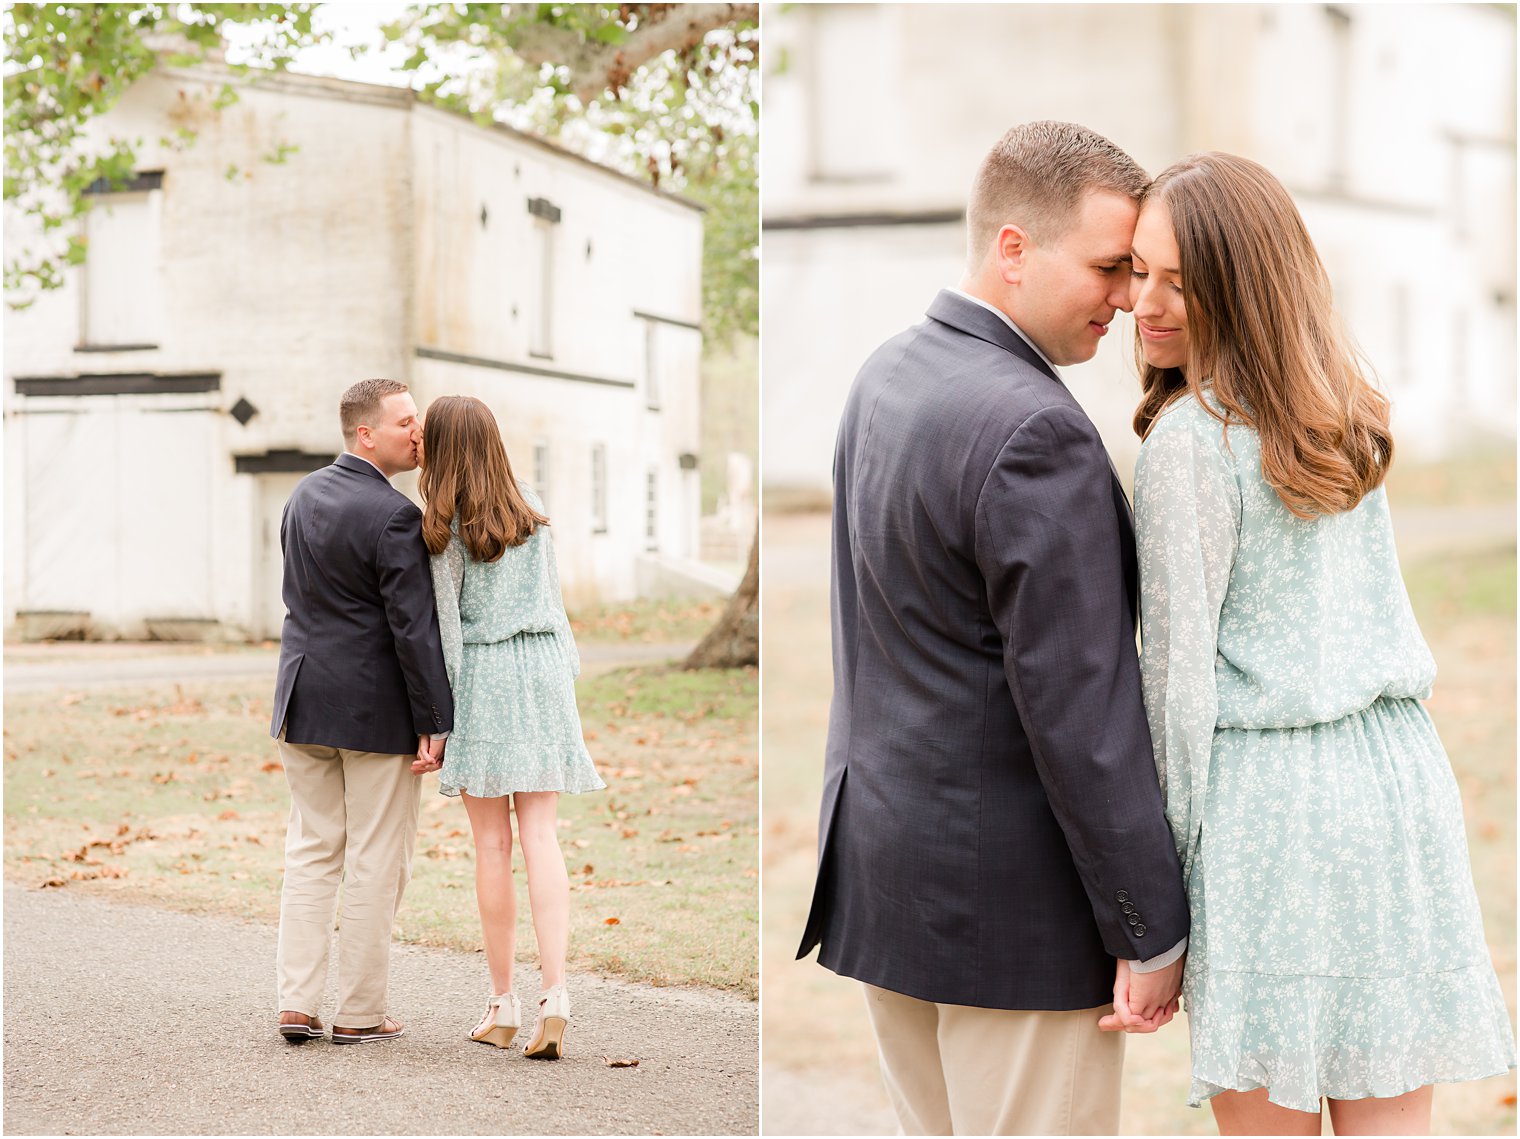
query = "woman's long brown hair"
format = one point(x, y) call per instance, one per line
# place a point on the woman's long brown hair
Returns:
point(466, 475)
point(1264, 338)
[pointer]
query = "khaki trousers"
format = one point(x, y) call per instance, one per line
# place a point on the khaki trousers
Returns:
point(353, 820)
point(956, 1070)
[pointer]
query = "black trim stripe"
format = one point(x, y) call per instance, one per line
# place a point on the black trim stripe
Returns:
point(143, 180)
point(667, 320)
point(862, 221)
point(526, 369)
point(282, 463)
point(119, 383)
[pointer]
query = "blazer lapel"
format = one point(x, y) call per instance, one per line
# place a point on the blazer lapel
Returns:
point(351, 462)
point(973, 320)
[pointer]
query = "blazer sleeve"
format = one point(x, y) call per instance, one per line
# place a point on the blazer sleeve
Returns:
point(1187, 514)
point(406, 585)
point(1047, 543)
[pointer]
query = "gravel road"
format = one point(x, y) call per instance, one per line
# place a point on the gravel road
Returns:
point(122, 1019)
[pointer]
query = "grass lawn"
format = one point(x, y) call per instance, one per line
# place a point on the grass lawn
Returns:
point(176, 797)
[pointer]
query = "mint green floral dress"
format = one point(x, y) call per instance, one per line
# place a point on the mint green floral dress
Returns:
point(1336, 946)
point(512, 664)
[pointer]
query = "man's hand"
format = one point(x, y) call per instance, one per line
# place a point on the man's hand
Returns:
point(1144, 1002)
point(429, 755)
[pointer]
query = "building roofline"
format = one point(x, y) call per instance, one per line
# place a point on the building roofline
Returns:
point(404, 98)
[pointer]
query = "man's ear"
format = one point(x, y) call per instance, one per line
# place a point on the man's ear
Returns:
point(365, 436)
point(1011, 249)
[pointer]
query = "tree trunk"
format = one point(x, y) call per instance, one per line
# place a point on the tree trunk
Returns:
point(734, 641)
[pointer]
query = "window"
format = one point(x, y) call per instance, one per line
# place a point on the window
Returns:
point(546, 217)
point(541, 471)
point(651, 365)
point(855, 56)
point(651, 503)
point(121, 302)
point(599, 489)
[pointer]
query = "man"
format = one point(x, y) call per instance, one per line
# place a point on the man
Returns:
point(361, 694)
point(991, 838)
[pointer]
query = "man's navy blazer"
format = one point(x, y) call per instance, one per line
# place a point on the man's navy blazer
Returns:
point(992, 830)
point(361, 663)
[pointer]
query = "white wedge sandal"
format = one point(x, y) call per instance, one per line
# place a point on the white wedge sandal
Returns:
point(548, 1041)
point(502, 1019)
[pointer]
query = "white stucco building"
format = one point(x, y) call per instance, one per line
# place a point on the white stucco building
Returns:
point(160, 408)
point(1392, 125)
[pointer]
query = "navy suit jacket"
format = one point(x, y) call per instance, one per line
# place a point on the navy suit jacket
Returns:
point(991, 831)
point(361, 664)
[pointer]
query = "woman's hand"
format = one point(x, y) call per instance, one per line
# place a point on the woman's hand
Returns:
point(1125, 1018)
point(429, 755)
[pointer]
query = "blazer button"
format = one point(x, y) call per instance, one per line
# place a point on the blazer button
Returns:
point(1122, 896)
point(1128, 907)
point(1139, 931)
point(1133, 919)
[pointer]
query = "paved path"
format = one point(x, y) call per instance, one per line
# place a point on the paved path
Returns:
point(40, 667)
point(122, 1019)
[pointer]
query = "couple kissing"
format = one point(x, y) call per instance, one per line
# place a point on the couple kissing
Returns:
point(420, 641)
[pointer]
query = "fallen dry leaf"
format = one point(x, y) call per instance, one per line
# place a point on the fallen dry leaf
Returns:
point(634, 1064)
point(272, 765)
point(612, 921)
point(228, 815)
point(52, 882)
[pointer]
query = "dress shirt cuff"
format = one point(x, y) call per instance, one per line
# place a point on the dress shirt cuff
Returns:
point(439, 735)
point(1151, 964)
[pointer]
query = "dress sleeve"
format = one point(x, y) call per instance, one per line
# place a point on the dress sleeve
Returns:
point(448, 580)
point(1187, 521)
point(562, 632)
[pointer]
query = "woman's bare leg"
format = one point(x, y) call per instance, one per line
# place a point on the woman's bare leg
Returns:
point(1249, 1113)
point(1407, 1114)
point(495, 892)
point(548, 884)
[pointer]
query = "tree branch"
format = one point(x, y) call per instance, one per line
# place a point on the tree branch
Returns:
point(598, 67)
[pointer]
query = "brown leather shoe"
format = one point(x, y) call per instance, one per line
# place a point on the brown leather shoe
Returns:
point(298, 1028)
point(388, 1029)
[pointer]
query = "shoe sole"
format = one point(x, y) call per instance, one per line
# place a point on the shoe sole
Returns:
point(550, 1043)
point(499, 1035)
point(300, 1033)
point(366, 1038)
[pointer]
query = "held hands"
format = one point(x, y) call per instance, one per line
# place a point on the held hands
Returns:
point(429, 755)
point(1143, 1002)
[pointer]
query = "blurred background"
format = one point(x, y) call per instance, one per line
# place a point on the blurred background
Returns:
point(1394, 128)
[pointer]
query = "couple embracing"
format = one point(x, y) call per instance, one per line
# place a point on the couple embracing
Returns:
point(418, 641)
point(1032, 842)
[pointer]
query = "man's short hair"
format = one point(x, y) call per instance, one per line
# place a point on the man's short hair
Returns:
point(1036, 177)
point(361, 404)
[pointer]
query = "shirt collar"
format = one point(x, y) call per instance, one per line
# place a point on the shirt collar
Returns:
point(1006, 319)
point(386, 477)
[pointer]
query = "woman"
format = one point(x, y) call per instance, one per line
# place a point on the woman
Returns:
point(512, 665)
point(1336, 946)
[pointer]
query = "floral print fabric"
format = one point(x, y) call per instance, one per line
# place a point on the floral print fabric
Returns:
point(512, 665)
point(1336, 947)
